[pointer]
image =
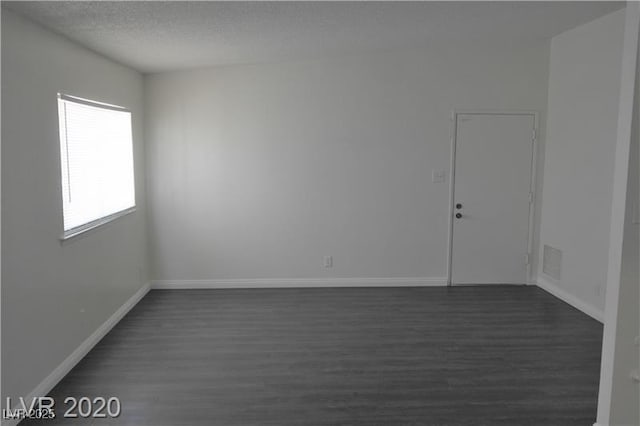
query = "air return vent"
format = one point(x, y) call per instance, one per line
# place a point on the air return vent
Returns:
point(552, 262)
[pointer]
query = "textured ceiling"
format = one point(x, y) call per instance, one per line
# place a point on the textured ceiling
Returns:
point(164, 36)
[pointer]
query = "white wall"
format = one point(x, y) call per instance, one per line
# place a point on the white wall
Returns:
point(619, 396)
point(54, 296)
point(258, 171)
point(625, 395)
point(584, 81)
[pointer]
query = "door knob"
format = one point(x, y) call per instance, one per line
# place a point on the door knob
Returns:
point(458, 206)
point(458, 215)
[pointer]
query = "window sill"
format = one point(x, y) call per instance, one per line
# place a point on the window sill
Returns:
point(74, 233)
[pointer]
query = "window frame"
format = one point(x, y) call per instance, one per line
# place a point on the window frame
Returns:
point(97, 223)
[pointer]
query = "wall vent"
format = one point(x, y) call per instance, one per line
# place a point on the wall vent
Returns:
point(552, 262)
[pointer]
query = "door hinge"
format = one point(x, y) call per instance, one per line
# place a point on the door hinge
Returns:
point(526, 258)
point(530, 197)
point(534, 134)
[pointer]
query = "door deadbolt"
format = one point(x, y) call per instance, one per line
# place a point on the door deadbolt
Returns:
point(458, 206)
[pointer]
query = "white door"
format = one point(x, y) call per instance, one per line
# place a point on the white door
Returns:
point(491, 198)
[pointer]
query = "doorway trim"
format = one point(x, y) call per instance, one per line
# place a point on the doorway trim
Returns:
point(532, 181)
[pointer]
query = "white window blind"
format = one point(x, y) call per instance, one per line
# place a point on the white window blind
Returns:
point(96, 153)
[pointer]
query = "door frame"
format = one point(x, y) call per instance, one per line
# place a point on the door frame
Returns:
point(532, 180)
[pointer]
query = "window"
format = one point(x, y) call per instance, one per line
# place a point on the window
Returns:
point(96, 153)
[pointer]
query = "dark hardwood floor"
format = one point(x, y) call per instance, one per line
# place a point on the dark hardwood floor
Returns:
point(494, 356)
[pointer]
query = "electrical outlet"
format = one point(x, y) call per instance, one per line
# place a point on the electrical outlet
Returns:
point(327, 261)
point(438, 176)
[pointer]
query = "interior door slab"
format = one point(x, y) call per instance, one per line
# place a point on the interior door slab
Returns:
point(491, 197)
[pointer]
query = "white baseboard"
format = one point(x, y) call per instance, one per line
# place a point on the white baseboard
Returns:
point(572, 300)
point(300, 283)
point(63, 369)
point(602, 424)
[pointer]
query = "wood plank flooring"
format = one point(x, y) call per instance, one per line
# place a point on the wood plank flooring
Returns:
point(477, 356)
